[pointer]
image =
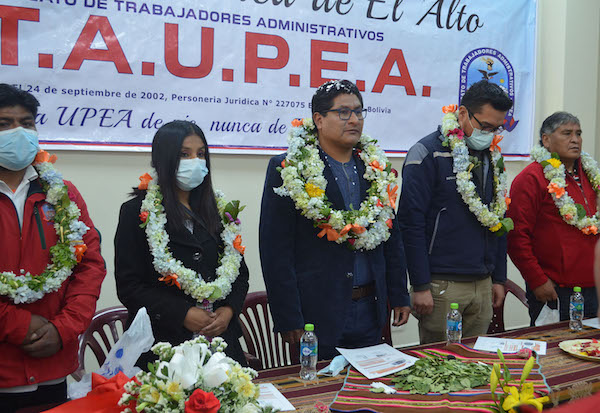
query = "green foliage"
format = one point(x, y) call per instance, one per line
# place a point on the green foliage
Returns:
point(436, 375)
point(581, 213)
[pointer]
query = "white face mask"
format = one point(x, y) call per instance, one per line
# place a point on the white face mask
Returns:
point(18, 148)
point(191, 173)
point(479, 140)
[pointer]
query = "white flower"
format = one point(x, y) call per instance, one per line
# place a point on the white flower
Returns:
point(215, 370)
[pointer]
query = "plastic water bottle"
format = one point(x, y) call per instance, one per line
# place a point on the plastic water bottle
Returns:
point(454, 324)
point(576, 310)
point(308, 353)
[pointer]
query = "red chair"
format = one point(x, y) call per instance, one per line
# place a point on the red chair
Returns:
point(106, 317)
point(497, 324)
point(265, 349)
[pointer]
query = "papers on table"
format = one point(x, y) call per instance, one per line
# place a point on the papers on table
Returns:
point(507, 345)
point(270, 396)
point(592, 322)
point(377, 361)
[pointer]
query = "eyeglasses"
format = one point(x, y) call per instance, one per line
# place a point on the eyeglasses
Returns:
point(489, 129)
point(346, 113)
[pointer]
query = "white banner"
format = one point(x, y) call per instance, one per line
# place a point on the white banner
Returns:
point(108, 73)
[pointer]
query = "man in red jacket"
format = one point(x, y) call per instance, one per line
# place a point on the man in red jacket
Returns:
point(51, 269)
point(554, 212)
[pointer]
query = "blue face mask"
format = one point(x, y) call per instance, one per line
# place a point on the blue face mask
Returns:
point(191, 173)
point(479, 140)
point(18, 148)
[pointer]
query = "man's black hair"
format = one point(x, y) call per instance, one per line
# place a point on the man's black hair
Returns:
point(13, 96)
point(323, 98)
point(484, 92)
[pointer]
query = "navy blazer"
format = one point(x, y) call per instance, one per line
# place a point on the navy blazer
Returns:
point(309, 279)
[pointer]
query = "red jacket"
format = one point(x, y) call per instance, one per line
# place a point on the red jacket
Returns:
point(70, 308)
point(543, 245)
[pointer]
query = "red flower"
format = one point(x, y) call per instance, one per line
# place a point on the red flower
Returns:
point(202, 402)
point(395, 172)
point(144, 216)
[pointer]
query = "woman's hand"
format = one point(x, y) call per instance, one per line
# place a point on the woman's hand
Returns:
point(196, 319)
point(220, 322)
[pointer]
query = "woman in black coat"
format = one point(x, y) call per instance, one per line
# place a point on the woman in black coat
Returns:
point(181, 159)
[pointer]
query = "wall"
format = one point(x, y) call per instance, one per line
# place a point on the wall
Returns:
point(567, 79)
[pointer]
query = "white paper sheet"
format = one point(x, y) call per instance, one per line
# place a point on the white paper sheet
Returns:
point(270, 396)
point(507, 345)
point(377, 361)
point(592, 322)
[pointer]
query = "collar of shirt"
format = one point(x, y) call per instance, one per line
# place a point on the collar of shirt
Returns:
point(19, 197)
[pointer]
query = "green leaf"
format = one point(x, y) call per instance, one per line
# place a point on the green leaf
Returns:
point(500, 164)
point(581, 212)
point(555, 156)
point(544, 164)
point(377, 390)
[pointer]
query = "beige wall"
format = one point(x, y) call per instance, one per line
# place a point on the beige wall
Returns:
point(568, 57)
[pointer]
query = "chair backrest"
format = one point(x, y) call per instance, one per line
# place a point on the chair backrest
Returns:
point(497, 324)
point(268, 348)
point(106, 317)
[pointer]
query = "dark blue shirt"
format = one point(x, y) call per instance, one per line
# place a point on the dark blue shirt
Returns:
point(346, 177)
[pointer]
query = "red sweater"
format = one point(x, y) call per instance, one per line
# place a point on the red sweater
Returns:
point(543, 245)
point(70, 308)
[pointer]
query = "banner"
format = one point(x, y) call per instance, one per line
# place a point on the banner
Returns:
point(108, 73)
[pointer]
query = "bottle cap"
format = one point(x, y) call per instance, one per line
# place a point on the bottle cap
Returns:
point(309, 327)
point(454, 306)
point(577, 289)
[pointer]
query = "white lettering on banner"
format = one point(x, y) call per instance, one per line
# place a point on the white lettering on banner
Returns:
point(108, 73)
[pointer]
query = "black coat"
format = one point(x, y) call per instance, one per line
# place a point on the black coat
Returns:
point(138, 285)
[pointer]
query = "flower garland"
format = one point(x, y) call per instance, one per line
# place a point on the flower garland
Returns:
point(69, 248)
point(491, 217)
point(193, 377)
point(303, 181)
point(172, 271)
point(554, 171)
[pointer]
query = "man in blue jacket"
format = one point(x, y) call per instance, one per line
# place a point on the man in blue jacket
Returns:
point(310, 278)
point(451, 256)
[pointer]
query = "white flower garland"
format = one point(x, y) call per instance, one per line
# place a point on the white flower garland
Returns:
point(304, 183)
point(554, 171)
point(491, 217)
point(173, 270)
point(26, 287)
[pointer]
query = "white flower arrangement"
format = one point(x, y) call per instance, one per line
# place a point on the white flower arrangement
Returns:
point(303, 181)
point(492, 216)
point(69, 249)
point(554, 171)
point(152, 214)
point(195, 376)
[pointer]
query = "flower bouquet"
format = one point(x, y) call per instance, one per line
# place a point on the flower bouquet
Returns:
point(193, 377)
point(514, 395)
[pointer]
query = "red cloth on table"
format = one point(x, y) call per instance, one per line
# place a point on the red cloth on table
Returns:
point(103, 398)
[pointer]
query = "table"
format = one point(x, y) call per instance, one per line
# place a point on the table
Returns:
point(566, 376)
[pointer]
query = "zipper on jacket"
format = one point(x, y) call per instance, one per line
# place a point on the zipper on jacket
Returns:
point(38, 219)
point(435, 229)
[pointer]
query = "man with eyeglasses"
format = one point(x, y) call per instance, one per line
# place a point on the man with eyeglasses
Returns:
point(309, 278)
point(451, 256)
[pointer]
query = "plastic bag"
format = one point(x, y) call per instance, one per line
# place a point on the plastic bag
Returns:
point(547, 316)
point(122, 356)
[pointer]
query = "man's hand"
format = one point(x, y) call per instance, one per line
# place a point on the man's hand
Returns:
point(36, 322)
point(292, 337)
point(196, 319)
point(220, 322)
point(400, 316)
point(422, 302)
point(497, 295)
point(546, 292)
point(45, 342)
